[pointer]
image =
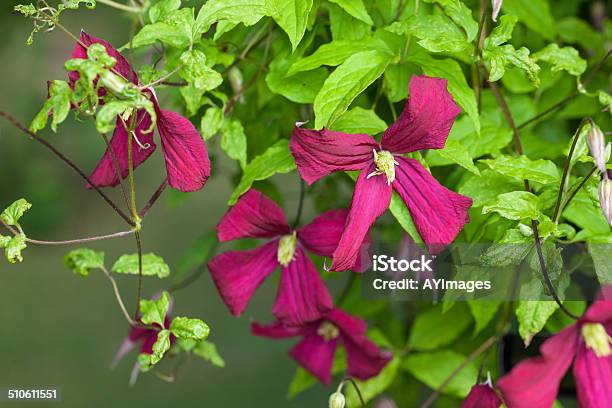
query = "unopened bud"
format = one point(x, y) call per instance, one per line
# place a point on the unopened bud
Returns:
point(605, 198)
point(337, 400)
point(597, 146)
point(496, 8)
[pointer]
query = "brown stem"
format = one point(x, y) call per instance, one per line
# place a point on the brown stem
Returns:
point(480, 38)
point(154, 198)
point(11, 119)
point(131, 321)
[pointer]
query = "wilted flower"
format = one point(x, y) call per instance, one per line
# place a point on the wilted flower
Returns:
point(302, 295)
point(482, 396)
point(184, 149)
point(496, 4)
point(438, 213)
point(320, 339)
point(605, 198)
point(597, 146)
point(534, 382)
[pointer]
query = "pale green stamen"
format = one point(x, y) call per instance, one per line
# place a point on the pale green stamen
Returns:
point(328, 331)
point(286, 249)
point(385, 164)
point(597, 339)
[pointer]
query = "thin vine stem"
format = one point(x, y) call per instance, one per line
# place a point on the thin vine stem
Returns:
point(574, 191)
point(153, 198)
point(354, 384)
point(131, 321)
point(11, 119)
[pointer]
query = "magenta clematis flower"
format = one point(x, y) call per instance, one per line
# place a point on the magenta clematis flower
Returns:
point(482, 396)
point(184, 149)
point(534, 382)
point(302, 295)
point(438, 213)
point(315, 352)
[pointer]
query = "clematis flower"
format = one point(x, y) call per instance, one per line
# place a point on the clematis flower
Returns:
point(184, 150)
point(320, 339)
point(302, 295)
point(438, 213)
point(482, 396)
point(534, 382)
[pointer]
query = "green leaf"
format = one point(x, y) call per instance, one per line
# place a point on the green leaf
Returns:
point(574, 30)
point(521, 168)
point(346, 27)
point(559, 320)
point(211, 122)
point(82, 260)
point(506, 55)
point(208, 351)
point(532, 315)
point(233, 141)
point(186, 328)
point(461, 15)
point(276, 159)
point(605, 99)
point(301, 88)
point(515, 206)
point(161, 345)
point(457, 153)
point(562, 59)
point(351, 78)
point(58, 105)
point(434, 328)
point(15, 211)
point(291, 16)
point(359, 120)
point(152, 265)
point(175, 29)
point(436, 33)
point(355, 8)
point(483, 312)
point(13, 248)
point(487, 187)
point(434, 368)
point(196, 72)
point(375, 385)
point(247, 12)
point(161, 9)
point(502, 32)
point(600, 252)
point(402, 215)
point(535, 14)
point(154, 311)
point(106, 119)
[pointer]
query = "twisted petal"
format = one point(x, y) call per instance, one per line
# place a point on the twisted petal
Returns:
point(184, 150)
point(316, 355)
point(318, 153)
point(426, 120)
point(323, 233)
point(275, 330)
point(370, 199)
point(105, 174)
point(534, 382)
point(364, 358)
point(302, 296)
point(438, 213)
point(253, 216)
point(482, 396)
point(237, 274)
point(593, 377)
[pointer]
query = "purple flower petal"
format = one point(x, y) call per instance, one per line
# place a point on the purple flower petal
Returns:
point(105, 174)
point(253, 216)
point(323, 233)
point(370, 199)
point(600, 311)
point(534, 382)
point(316, 355)
point(482, 396)
point(126, 346)
point(320, 152)
point(426, 120)
point(275, 330)
point(438, 213)
point(184, 150)
point(364, 358)
point(302, 296)
point(593, 377)
point(237, 274)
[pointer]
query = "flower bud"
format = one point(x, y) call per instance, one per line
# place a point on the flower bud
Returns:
point(337, 400)
point(597, 146)
point(605, 198)
point(496, 8)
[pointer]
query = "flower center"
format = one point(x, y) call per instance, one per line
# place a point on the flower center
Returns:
point(597, 339)
point(286, 249)
point(385, 164)
point(328, 331)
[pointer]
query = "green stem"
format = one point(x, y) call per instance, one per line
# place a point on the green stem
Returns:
point(573, 193)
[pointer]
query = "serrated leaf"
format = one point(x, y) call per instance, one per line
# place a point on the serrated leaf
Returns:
point(502, 32)
point(13, 248)
point(461, 15)
point(82, 260)
point(436, 33)
point(291, 16)
point(521, 167)
point(426, 330)
point(161, 345)
point(276, 159)
point(359, 120)
point(154, 311)
point(187, 328)
point(175, 29)
point(58, 105)
point(247, 12)
point(152, 265)
point(506, 55)
point(208, 351)
point(516, 205)
point(196, 72)
point(13, 213)
point(233, 141)
point(355, 8)
point(162, 8)
point(351, 78)
point(562, 59)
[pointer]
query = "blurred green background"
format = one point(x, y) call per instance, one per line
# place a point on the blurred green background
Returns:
point(61, 330)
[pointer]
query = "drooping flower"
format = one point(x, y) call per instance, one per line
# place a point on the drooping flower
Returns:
point(184, 150)
point(302, 295)
point(482, 396)
point(534, 382)
point(605, 198)
point(597, 146)
point(438, 213)
point(320, 339)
